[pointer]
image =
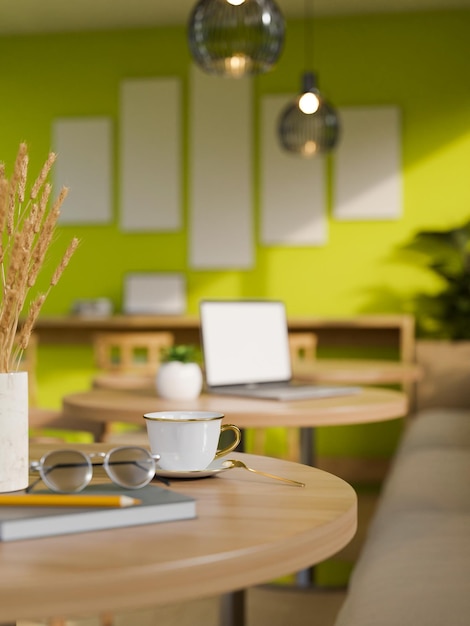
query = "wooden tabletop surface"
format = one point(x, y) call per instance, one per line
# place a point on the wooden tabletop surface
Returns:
point(369, 405)
point(339, 371)
point(249, 530)
point(356, 371)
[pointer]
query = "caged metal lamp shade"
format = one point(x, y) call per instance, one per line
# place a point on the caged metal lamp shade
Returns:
point(236, 38)
point(309, 125)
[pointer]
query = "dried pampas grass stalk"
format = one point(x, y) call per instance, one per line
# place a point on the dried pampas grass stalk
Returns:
point(27, 229)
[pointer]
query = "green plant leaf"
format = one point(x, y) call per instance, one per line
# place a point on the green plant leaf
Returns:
point(183, 353)
point(445, 253)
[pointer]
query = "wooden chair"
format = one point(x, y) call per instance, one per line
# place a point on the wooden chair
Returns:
point(130, 352)
point(128, 360)
point(301, 346)
point(46, 425)
point(106, 619)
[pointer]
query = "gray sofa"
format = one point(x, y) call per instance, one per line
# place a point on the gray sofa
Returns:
point(414, 568)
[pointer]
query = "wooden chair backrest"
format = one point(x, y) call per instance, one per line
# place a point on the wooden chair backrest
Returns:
point(130, 351)
point(302, 346)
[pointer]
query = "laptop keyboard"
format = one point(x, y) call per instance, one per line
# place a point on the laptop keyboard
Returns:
point(288, 392)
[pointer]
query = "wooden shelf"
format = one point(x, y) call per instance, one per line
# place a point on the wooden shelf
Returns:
point(363, 330)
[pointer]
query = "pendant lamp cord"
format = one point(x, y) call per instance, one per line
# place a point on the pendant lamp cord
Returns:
point(308, 33)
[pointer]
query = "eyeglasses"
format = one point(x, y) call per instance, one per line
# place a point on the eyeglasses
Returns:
point(68, 471)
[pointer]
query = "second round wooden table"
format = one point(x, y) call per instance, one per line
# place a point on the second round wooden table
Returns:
point(369, 405)
point(104, 406)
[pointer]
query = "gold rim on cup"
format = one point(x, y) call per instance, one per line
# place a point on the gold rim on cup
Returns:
point(165, 416)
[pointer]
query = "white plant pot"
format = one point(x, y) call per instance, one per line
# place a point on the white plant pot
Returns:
point(14, 448)
point(179, 381)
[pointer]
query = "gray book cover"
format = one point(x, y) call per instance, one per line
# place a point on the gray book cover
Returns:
point(158, 505)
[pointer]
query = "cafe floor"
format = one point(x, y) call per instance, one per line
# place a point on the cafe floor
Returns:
point(266, 606)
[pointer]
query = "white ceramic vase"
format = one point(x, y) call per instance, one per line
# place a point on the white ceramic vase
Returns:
point(179, 381)
point(14, 448)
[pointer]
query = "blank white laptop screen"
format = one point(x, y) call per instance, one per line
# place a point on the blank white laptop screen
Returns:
point(244, 342)
point(246, 352)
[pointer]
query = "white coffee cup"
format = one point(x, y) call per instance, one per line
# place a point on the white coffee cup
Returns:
point(188, 440)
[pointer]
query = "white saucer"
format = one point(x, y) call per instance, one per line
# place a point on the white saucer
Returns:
point(214, 468)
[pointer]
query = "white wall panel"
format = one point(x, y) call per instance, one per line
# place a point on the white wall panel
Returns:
point(150, 155)
point(84, 165)
point(221, 211)
point(367, 176)
point(293, 205)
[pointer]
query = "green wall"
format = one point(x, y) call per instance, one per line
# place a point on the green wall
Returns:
point(418, 62)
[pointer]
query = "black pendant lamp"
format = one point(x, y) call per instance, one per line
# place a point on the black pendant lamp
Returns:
point(236, 38)
point(309, 125)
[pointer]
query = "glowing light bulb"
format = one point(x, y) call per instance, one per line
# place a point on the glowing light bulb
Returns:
point(236, 3)
point(236, 65)
point(309, 148)
point(309, 103)
point(266, 18)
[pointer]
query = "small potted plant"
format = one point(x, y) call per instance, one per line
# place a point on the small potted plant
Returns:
point(179, 376)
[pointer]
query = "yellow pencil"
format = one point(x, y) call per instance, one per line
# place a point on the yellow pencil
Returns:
point(64, 499)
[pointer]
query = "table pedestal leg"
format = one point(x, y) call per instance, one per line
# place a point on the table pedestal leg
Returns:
point(232, 609)
point(232, 605)
point(307, 446)
point(304, 578)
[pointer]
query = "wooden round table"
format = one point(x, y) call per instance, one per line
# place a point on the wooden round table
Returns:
point(369, 405)
point(248, 530)
point(357, 371)
point(323, 371)
point(105, 406)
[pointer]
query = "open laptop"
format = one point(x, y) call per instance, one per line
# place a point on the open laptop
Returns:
point(246, 352)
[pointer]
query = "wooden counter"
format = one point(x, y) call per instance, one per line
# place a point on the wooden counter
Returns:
point(396, 331)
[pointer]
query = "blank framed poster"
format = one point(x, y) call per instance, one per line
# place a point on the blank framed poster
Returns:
point(367, 178)
point(293, 204)
point(221, 211)
point(154, 293)
point(150, 165)
point(84, 165)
